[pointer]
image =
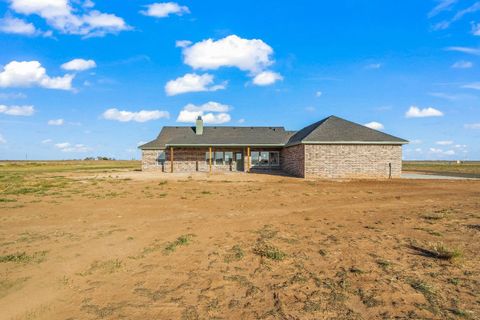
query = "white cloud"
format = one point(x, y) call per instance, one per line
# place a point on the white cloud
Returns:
point(415, 112)
point(68, 147)
point(374, 66)
point(416, 141)
point(182, 43)
point(473, 85)
point(46, 141)
point(472, 126)
point(211, 112)
point(192, 82)
point(266, 78)
point(462, 64)
point(79, 65)
point(2, 140)
point(241, 120)
point(164, 9)
point(14, 25)
point(17, 110)
point(476, 29)
point(468, 50)
point(246, 54)
point(140, 116)
point(13, 95)
point(56, 122)
point(310, 109)
point(61, 15)
point(31, 73)
point(444, 142)
point(441, 6)
point(442, 152)
point(374, 125)
point(318, 94)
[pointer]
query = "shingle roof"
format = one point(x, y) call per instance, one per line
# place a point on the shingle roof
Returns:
point(328, 130)
point(220, 136)
point(338, 130)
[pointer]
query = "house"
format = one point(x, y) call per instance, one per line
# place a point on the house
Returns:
point(330, 148)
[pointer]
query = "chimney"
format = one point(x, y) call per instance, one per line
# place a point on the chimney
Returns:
point(199, 126)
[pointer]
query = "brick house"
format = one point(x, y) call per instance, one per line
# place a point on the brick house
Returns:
point(330, 148)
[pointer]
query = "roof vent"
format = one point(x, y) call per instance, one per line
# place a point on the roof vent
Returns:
point(199, 126)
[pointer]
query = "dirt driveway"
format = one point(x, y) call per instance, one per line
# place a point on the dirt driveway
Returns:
point(136, 246)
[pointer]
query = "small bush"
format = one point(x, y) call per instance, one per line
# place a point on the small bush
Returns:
point(183, 240)
point(269, 251)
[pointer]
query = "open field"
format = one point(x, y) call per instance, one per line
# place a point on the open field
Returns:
point(468, 169)
point(112, 243)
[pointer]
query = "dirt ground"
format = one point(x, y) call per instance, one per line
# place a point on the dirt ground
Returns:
point(130, 245)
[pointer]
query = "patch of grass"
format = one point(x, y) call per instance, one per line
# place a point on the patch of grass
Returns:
point(356, 270)
point(22, 257)
point(474, 226)
point(438, 251)
point(269, 251)
point(7, 200)
point(7, 285)
point(427, 290)
point(234, 254)
point(384, 264)
point(108, 266)
point(183, 240)
point(205, 192)
point(436, 215)
point(429, 231)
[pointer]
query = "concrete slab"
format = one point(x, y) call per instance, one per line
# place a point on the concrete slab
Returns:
point(432, 177)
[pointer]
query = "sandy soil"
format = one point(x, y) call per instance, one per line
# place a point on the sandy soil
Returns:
point(136, 246)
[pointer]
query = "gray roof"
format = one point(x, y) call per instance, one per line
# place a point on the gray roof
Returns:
point(220, 136)
point(337, 130)
point(328, 130)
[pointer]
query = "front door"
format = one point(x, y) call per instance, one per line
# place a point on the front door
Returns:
point(239, 161)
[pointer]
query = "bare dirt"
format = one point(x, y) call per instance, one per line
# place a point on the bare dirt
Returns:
point(136, 246)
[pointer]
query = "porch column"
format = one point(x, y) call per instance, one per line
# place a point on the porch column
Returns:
point(248, 159)
point(210, 159)
point(171, 159)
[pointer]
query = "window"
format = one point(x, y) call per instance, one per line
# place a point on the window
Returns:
point(274, 158)
point(255, 158)
point(207, 157)
point(161, 157)
point(264, 158)
point(228, 157)
point(219, 157)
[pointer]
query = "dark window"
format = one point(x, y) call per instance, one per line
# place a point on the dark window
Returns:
point(274, 158)
point(255, 155)
point(219, 157)
point(161, 157)
point(228, 157)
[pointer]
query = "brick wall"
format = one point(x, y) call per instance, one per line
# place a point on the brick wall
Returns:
point(352, 161)
point(292, 160)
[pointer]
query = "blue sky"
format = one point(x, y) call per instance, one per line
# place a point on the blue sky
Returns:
point(80, 78)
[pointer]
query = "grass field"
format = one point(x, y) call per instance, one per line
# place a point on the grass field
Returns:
point(465, 169)
point(100, 240)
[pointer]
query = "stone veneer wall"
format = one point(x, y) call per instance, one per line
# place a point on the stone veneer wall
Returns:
point(292, 160)
point(352, 161)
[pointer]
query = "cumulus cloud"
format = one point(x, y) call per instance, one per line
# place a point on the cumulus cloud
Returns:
point(31, 73)
point(182, 43)
point(24, 111)
point(64, 17)
point(68, 147)
point(211, 112)
point(2, 140)
point(192, 82)
point(266, 78)
point(318, 94)
point(79, 65)
point(468, 50)
point(473, 85)
point(14, 25)
point(442, 152)
point(56, 122)
point(252, 55)
point(139, 116)
point(374, 125)
point(444, 142)
point(462, 64)
point(472, 125)
point(415, 112)
point(164, 9)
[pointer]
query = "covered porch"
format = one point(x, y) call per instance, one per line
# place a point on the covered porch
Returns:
point(219, 158)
